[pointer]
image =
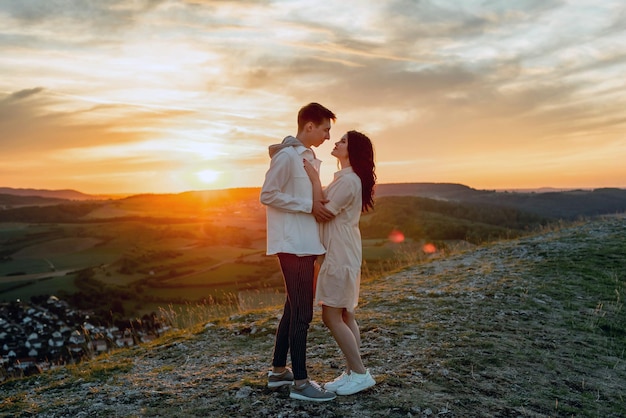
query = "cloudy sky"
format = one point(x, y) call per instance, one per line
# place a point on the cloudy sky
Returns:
point(121, 96)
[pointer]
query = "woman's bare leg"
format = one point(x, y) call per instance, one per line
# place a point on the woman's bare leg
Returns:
point(344, 336)
point(350, 320)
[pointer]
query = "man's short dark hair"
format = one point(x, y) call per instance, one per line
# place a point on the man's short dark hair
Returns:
point(314, 112)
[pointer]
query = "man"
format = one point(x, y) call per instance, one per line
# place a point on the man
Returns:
point(293, 235)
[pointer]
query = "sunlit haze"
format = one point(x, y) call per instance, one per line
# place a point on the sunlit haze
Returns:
point(165, 96)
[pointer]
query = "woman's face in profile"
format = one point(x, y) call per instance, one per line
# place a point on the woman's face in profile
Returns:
point(341, 148)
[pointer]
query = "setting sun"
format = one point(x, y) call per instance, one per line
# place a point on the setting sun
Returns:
point(208, 176)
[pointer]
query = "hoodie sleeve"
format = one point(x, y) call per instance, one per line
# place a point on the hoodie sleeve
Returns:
point(275, 188)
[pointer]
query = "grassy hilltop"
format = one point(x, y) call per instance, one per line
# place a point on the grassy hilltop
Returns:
point(528, 327)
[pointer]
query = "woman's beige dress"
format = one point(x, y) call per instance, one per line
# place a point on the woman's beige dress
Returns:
point(339, 277)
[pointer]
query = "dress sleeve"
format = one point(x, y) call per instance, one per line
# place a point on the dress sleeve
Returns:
point(341, 194)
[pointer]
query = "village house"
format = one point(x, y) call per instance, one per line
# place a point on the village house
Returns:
point(99, 345)
point(34, 338)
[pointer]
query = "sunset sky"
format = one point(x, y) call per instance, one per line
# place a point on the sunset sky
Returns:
point(159, 96)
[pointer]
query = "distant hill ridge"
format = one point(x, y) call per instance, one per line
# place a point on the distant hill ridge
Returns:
point(433, 190)
point(546, 202)
point(386, 189)
point(567, 204)
point(67, 194)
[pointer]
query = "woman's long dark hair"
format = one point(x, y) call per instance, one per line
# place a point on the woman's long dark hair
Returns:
point(361, 155)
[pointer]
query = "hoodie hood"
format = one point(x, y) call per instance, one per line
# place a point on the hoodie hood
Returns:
point(289, 141)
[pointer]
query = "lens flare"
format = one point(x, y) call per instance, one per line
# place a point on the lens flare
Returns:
point(396, 236)
point(429, 248)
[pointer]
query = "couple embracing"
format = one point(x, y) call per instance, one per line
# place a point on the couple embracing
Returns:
point(307, 225)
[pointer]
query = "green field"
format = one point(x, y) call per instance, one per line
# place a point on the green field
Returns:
point(50, 286)
point(145, 264)
point(156, 250)
point(153, 264)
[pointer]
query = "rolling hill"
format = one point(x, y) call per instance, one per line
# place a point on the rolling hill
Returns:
point(569, 204)
point(532, 327)
point(546, 202)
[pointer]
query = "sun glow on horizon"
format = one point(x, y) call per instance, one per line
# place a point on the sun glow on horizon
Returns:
point(208, 176)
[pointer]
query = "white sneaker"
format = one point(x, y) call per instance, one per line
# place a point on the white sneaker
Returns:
point(356, 383)
point(338, 382)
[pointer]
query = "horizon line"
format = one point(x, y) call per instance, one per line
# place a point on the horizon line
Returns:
point(121, 193)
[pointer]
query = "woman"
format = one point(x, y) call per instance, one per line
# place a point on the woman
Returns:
point(350, 193)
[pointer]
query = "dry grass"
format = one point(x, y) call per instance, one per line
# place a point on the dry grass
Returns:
point(533, 327)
